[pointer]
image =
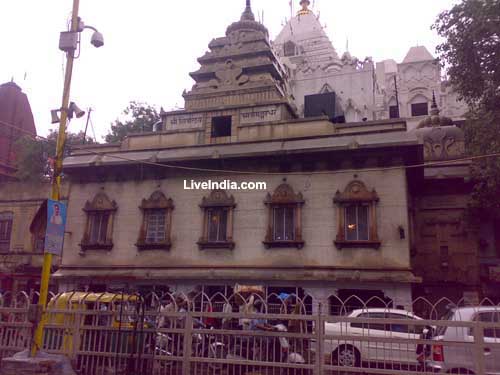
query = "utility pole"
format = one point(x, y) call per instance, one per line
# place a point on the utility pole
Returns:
point(397, 94)
point(56, 179)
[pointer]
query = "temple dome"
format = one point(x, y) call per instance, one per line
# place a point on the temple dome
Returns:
point(442, 140)
point(435, 119)
point(247, 22)
point(306, 32)
point(417, 54)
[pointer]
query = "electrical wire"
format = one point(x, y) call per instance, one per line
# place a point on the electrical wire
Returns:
point(22, 130)
point(228, 171)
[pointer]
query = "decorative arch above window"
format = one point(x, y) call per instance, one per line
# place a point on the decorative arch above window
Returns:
point(6, 219)
point(284, 218)
point(326, 89)
point(218, 211)
point(357, 217)
point(419, 105)
point(156, 223)
point(99, 227)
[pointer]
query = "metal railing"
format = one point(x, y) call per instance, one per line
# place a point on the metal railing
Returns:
point(120, 334)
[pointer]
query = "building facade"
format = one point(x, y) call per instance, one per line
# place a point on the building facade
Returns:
point(366, 90)
point(455, 252)
point(331, 218)
point(344, 206)
point(23, 219)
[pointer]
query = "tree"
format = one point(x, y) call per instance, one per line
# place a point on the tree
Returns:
point(471, 52)
point(139, 118)
point(34, 157)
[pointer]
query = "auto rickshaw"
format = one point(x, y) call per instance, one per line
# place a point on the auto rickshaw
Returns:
point(89, 321)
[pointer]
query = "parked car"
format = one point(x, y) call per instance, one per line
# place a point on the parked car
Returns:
point(462, 359)
point(353, 353)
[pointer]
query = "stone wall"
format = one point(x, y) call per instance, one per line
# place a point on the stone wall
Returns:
point(250, 223)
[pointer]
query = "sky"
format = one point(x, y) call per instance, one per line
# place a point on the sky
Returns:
point(152, 45)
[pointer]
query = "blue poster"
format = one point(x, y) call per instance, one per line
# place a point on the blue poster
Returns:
point(56, 224)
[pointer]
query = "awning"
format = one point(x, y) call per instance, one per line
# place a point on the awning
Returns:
point(251, 276)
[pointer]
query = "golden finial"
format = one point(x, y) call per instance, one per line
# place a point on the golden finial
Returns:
point(305, 8)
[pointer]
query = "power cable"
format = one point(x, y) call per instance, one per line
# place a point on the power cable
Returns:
point(429, 164)
point(22, 130)
point(228, 171)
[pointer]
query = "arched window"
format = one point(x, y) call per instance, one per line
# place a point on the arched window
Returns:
point(156, 222)
point(394, 109)
point(284, 218)
point(419, 106)
point(99, 228)
point(290, 48)
point(6, 219)
point(357, 217)
point(218, 210)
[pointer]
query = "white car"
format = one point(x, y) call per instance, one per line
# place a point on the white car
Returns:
point(462, 359)
point(352, 353)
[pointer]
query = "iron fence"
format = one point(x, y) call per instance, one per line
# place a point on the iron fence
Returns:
point(247, 334)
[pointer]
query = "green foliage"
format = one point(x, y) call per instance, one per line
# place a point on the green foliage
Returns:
point(482, 132)
point(139, 118)
point(471, 52)
point(34, 157)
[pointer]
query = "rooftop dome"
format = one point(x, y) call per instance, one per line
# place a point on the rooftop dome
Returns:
point(15, 113)
point(441, 139)
point(247, 22)
point(434, 119)
point(15, 108)
point(416, 54)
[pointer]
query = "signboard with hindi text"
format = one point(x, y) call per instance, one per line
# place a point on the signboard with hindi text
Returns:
point(260, 114)
point(186, 121)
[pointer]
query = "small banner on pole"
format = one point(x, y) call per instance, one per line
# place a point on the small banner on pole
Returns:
point(56, 224)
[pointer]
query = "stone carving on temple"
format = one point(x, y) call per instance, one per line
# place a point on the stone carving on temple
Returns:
point(441, 139)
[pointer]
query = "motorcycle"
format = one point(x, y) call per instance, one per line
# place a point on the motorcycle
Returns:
point(424, 351)
point(172, 345)
point(268, 349)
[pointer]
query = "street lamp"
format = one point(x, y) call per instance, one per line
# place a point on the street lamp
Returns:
point(69, 42)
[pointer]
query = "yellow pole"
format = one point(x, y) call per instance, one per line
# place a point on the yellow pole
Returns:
point(56, 181)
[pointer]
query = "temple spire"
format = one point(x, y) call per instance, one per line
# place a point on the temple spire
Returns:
point(434, 106)
point(248, 14)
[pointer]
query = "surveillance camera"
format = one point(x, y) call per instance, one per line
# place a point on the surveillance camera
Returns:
point(97, 39)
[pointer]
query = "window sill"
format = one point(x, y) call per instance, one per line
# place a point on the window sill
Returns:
point(357, 244)
point(205, 245)
point(283, 244)
point(143, 246)
point(96, 246)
